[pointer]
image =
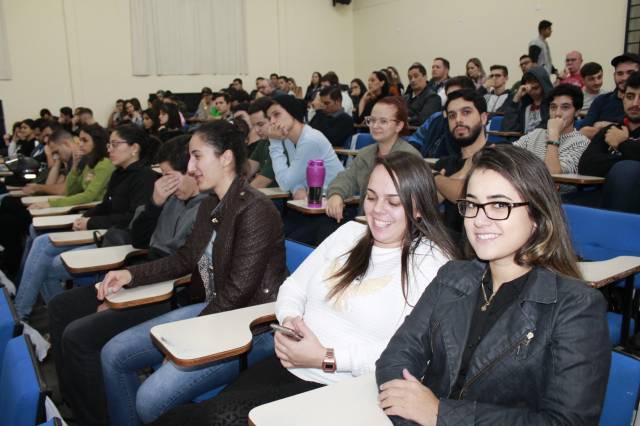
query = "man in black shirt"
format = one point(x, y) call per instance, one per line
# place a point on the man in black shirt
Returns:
point(614, 153)
point(466, 112)
point(421, 101)
point(332, 121)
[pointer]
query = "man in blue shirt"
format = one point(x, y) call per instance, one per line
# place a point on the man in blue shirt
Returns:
point(607, 109)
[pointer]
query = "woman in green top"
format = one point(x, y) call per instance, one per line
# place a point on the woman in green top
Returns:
point(90, 169)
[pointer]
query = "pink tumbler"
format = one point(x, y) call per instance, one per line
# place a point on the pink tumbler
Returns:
point(315, 182)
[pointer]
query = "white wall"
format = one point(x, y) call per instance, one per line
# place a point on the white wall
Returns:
point(400, 32)
point(78, 52)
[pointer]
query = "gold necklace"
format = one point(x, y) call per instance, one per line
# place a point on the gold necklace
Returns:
point(487, 301)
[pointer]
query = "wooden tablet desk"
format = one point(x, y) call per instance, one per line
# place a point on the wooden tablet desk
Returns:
point(27, 201)
point(302, 205)
point(98, 259)
point(16, 193)
point(43, 223)
point(601, 273)
point(576, 179)
point(348, 403)
point(346, 151)
point(275, 193)
point(55, 211)
point(72, 238)
point(145, 294)
point(201, 340)
point(431, 161)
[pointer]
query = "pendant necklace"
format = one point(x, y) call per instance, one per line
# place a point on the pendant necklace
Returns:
point(487, 300)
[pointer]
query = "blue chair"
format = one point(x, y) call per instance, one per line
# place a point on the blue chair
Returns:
point(10, 325)
point(21, 385)
point(580, 123)
point(603, 234)
point(622, 390)
point(296, 253)
point(495, 125)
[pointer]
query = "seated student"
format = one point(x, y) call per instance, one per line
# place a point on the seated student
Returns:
point(27, 142)
point(332, 120)
point(607, 109)
point(335, 298)
point(330, 79)
point(222, 104)
point(466, 113)
point(526, 110)
point(170, 124)
point(387, 121)
point(293, 143)
point(236, 260)
point(80, 326)
point(496, 86)
point(571, 73)
point(260, 168)
point(476, 73)
point(525, 62)
point(614, 153)
point(439, 76)
point(60, 146)
point(591, 74)
point(65, 118)
point(560, 145)
point(150, 121)
point(421, 101)
point(356, 90)
point(89, 167)
point(129, 186)
point(433, 136)
point(205, 105)
point(133, 112)
point(377, 88)
point(512, 337)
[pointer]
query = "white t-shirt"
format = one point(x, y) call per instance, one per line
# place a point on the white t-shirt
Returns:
point(362, 320)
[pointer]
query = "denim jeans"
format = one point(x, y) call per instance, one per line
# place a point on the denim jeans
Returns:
point(43, 273)
point(129, 403)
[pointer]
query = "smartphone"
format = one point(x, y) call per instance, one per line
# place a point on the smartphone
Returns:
point(290, 332)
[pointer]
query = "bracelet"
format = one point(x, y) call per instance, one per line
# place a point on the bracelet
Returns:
point(556, 143)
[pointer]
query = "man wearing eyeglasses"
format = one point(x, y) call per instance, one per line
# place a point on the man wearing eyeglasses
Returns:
point(496, 86)
point(466, 113)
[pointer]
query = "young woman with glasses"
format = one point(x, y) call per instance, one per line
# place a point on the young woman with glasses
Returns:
point(514, 336)
point(388, 120)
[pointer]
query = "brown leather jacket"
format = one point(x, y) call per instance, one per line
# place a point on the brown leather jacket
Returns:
point(248, 261)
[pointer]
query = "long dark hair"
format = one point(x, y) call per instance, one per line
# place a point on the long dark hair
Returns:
point(173, 123)
point(385, 83)
point(100, 137)
point(549, 245)
point(414, 183)
point(131, 134)
point(153, 115)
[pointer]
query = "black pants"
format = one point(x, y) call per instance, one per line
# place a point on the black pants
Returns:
point(15, 220)
point(264, 382)
point(314, 229)
point(78, 334)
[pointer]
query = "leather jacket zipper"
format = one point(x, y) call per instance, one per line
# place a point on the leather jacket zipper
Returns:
point(522, 342)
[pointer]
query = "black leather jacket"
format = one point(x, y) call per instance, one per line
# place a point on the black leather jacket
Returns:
point(545, 361)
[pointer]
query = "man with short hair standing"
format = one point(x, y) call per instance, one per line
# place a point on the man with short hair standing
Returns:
point(544, 60)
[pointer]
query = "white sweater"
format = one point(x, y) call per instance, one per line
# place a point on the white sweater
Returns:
point(360, 323)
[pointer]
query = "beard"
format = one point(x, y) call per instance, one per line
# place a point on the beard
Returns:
point(635, 119)
point(465, 141)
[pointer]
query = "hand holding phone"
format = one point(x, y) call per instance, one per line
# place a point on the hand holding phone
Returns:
point(289, 332)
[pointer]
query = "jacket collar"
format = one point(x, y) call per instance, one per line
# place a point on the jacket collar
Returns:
point(542, 290)
point(234, 194)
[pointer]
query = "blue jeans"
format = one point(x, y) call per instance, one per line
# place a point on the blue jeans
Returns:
point(42, 274)
point(129, 403)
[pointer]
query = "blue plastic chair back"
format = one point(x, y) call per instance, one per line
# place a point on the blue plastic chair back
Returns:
point(10, 326)
point(495, 125)
point(580, 123)
point(296, 253)
point(622, 390)
point(21, 386)
point(360, 140)
point(602, 234)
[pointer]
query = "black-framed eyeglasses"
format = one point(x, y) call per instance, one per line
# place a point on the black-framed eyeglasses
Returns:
point(114, 144)
point(494, 210)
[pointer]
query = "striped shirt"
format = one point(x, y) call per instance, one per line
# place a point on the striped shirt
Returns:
point(572, 145)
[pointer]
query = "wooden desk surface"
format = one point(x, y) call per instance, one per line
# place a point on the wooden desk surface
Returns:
point(576, 179)
point(600, 273)
point(431, 161)
point(14, 188)
point(16, 193)
point(302, 207)
point(38, 199)
point(345, 151)
point(98, 259)
point(71, 238)
point(138, 296)
point(54, 211)
point(275, 193)
point(201, 340)
point(347, 403)
point(42, 223)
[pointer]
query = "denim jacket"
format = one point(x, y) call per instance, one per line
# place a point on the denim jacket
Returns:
point(545, 360)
